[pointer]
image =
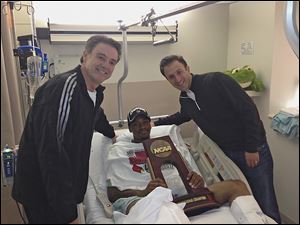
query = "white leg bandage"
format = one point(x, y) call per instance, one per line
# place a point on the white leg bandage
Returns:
point(246, 211)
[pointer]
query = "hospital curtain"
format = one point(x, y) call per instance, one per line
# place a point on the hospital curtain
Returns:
point(12, 113)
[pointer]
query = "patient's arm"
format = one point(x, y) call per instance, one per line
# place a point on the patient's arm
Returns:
point(227, 191)
point(114, 193)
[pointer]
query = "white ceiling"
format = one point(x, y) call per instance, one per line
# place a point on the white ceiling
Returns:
point(102, 12)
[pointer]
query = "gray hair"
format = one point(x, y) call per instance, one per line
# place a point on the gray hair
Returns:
point(96, 39)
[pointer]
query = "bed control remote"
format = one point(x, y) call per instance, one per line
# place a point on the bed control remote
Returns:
point(103, 199)
point(107, 205)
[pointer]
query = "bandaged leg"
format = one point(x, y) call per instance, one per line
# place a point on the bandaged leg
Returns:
point(228, 190)
point(246, 211)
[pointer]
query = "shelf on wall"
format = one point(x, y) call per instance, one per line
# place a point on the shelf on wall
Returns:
point(253, 93)
point(70, 34)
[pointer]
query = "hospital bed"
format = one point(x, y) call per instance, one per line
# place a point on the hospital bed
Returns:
point(213, 165)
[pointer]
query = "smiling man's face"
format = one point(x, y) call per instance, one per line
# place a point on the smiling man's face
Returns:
point(100, 63)
point(178, 75)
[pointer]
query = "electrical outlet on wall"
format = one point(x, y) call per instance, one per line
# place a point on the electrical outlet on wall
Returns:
point(247, 48)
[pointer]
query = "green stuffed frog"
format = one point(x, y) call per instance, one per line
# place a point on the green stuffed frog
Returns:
point(246, 77)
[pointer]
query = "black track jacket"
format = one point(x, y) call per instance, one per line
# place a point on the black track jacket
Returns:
point(54, 151)
point(223, 111)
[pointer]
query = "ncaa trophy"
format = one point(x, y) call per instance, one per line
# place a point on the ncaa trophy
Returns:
point(162, 151)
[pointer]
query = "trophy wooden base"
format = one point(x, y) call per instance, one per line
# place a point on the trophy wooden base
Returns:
point(197, 203)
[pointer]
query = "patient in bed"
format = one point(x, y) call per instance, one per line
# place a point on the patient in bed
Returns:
point(128, 178)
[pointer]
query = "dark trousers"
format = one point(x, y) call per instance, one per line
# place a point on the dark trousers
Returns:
point(260, 179)
point(41, 215)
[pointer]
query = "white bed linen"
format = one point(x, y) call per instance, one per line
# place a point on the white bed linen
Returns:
point(94, 211)
point(157, 208)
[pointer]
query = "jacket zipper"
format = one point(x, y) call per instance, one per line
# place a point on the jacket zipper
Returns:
point(193, 101)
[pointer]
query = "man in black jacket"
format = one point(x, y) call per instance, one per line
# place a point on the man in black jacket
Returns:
point(225, 113)
point(53, 157)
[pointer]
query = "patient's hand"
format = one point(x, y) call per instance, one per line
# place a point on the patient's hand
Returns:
point(195, 180)
point(154, 184)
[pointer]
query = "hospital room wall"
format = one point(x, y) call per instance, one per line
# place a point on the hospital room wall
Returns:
point(202, 41)
point(275, 63)
point(143, 87)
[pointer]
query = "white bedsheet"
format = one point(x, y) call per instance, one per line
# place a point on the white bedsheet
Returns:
point(94, 211)
point(156, 208)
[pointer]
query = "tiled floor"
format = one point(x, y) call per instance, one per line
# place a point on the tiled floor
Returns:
point(9, 210)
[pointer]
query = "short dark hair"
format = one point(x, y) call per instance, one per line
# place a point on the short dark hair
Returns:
point(96, 39)
point(169, 59)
